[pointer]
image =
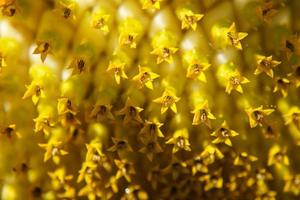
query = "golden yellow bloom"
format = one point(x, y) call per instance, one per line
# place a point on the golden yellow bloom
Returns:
point(54, 150)
point(94, 151)
point(118, 70)
point(100, 21)
point(43, 123)
point(65, 105)
point(257, 115)
point(265, 64)
point(292, 184)
point(59, 178)
point(43, 48)
point(102, 112)
point(79, 65)
point(244, 159)
point(202, 114)
point(35, 91)
point(167, 100)
point(212, 181)
point(277, 156)
point(66, 9)
point(210, 153)
point(164, 54)
point(130, 32)
point(293, 116)
point(196, 70)
point(266, 195)
point(150, 148)
point(131, 112)
point(88, 172)
point(188, 18)
point(134, 192)
point(234, 38)
point(282, 85)
point(235, 81)
point(145, 77)
point(125, 169)
point(120, 146)
point(266, 11)
point(151, 130)
point(180, 140)
point(223, 134)
point(151, 4)
point(9, 131)
point(2, 62)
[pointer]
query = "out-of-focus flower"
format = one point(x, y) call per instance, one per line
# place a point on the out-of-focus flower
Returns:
point(102, 112)
point(151, 130)
point(100, 21)
point(265, 64)
point(257, 115)
point(151, 4)
point(120, 145)
point(282, 85)
point(43, 123)
point(277, 156)
point(134, 192)
point(125, 169)
point(292, 184)
point(266, 11)
point(167, 100)
point(293, 116)
point(59, 178)
point(223, 134)
point(180, 140)
point(196, 70)
point(79, 65)
point(150, 148)
point(43, 48)
point(10, 131)
point(54, 150)
point(213, 180)
point(131, 112)
point(130, 32)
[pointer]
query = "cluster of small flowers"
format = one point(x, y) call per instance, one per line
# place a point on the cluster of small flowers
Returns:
point(149, 99)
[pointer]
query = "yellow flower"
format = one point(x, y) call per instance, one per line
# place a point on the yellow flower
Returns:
point(88, 172)
point(9, 131)
point(292, 184)
point(188, 18)
point(66, 10)
point(164, 54)
point(234, 38)
point(282, 85)
point(100, 21)
point(102, 112)
point(150, 148)
point(65, 105)
point(94, 151)
point(120, 146)
point(151, 130)
point(125, 169)
point(167, 100)
point(151, 4)
point(266, 11)
point(43, 123)
point(243, 159)
point(53, 149)
point(277, 156)
point(293, 116)
point(145, 77)
point(198, 165)
point(59, 178)
point(223, 134)
point(265, 64)
point(131, 112)
point(2, 62)
point(213, 180)
point(79, 65)
point(196, 70)
point(202, 114)
point(118, 69)
point(35, 91)
point(210, 153)
point(180, 140)
point(130, 32)
point(257, 115)
point(266, 195)
point(235, 81)
point(43, 48)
